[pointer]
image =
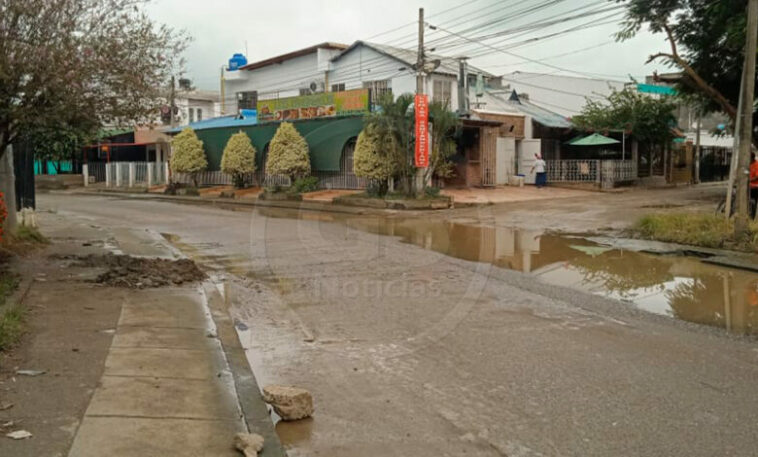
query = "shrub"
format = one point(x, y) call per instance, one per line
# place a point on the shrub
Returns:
point(288, 153)
point(372, 157)
point(187, 154)
point(432, 191)
point(238, 158)
point(303, 185)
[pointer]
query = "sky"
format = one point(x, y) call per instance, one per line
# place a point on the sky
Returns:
point(262, 29)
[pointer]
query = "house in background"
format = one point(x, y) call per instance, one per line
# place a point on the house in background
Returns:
point(564, 95)
point(300, 72)
point(195, 105)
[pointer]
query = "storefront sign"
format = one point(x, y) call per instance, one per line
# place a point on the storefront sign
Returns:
point(422, 131)
point(325, 104)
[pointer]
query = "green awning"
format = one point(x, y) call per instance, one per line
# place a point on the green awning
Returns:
point(595, 139)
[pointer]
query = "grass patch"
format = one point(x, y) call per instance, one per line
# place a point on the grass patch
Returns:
point(26, 234)
point(11, 317)
point(696, 229)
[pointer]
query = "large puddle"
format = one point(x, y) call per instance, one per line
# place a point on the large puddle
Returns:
point(680, 287)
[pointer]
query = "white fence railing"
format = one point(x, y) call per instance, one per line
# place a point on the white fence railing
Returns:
point(603, 173)
point(130, 174)
point(141, 174)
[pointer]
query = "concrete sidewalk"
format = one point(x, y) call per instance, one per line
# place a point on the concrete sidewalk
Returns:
point(160, 371)
point(167, 388)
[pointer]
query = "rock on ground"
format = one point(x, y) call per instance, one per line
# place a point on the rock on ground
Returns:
point(290, 403)
point(248, 443)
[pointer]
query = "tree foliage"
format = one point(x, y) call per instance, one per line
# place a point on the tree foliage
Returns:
point(445, 127)
point(394, 119)
point(288, 153)
point(706, 40)
point(187, 154)
point(374, 154)
point(238, 158)
point(89, 62)
point(647, 119)
point(56, 144)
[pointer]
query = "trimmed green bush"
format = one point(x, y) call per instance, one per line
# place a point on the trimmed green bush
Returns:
point(238, 158)
point(288, 153)
point(187, 154)
point(372, 155)
point(303, 185)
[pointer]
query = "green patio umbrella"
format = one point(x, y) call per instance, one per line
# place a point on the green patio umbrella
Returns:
point(595, 139)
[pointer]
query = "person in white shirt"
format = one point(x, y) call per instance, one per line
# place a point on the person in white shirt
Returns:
point(540, 167)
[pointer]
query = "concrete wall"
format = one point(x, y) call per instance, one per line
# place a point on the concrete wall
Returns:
point(364, 64)
point(280, 79)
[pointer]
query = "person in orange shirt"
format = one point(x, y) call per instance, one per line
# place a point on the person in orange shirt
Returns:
point(753, 181)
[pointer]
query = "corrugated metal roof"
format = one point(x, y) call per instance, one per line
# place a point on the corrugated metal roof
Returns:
point(291, 55)
point(448, 65)
point(493, 100)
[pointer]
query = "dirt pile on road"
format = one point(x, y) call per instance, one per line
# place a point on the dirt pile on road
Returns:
point(138, 272)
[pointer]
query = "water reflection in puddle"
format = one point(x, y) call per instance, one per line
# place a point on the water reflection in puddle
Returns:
point(675, 286)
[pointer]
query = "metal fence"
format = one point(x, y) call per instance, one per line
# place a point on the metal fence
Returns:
point(131, 174)
point(326, 179)
point(96, 171)
point(603, 173)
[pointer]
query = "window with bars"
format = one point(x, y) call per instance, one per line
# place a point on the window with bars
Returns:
point(442, 91)
point(338, 87)
point(191, 115)
point(199, 114)
point(377, 89)
point(305, 91)
point(247, 100)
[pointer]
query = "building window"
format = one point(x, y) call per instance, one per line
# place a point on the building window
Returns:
point(338, 87)
point(377, 89)
point(305, 91)
point(199, 114)
point(191, 115)
point(247, 100)
point(442, 91)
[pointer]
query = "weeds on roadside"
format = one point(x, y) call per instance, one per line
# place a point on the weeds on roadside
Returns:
point(26, 234)
point(696, 229)
point(11, 317)
point(11, 327)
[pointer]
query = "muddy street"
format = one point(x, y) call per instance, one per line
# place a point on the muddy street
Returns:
point(474, 332)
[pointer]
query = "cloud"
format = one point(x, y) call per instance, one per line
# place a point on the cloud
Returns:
point(267, 28)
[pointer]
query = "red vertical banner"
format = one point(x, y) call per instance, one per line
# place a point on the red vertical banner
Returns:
point(422, 131)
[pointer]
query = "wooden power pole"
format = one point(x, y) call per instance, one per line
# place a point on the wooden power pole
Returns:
point(745, 120)
point(420, 57)
point(172, 101)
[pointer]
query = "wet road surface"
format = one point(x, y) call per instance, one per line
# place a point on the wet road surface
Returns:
point(411, 348)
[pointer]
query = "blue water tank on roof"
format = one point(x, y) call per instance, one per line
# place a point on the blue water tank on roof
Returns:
point(237, 61)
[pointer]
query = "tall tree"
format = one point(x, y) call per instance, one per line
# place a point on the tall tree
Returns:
point(646, 118)
point(706, 42)
point(104, 60)
point(394, 119)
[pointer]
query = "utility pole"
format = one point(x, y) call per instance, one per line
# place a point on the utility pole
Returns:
point(417, 183)
point(745, 120)
point(697, 147)
point(420, 57)
point(223, 92)
point(172, 101)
